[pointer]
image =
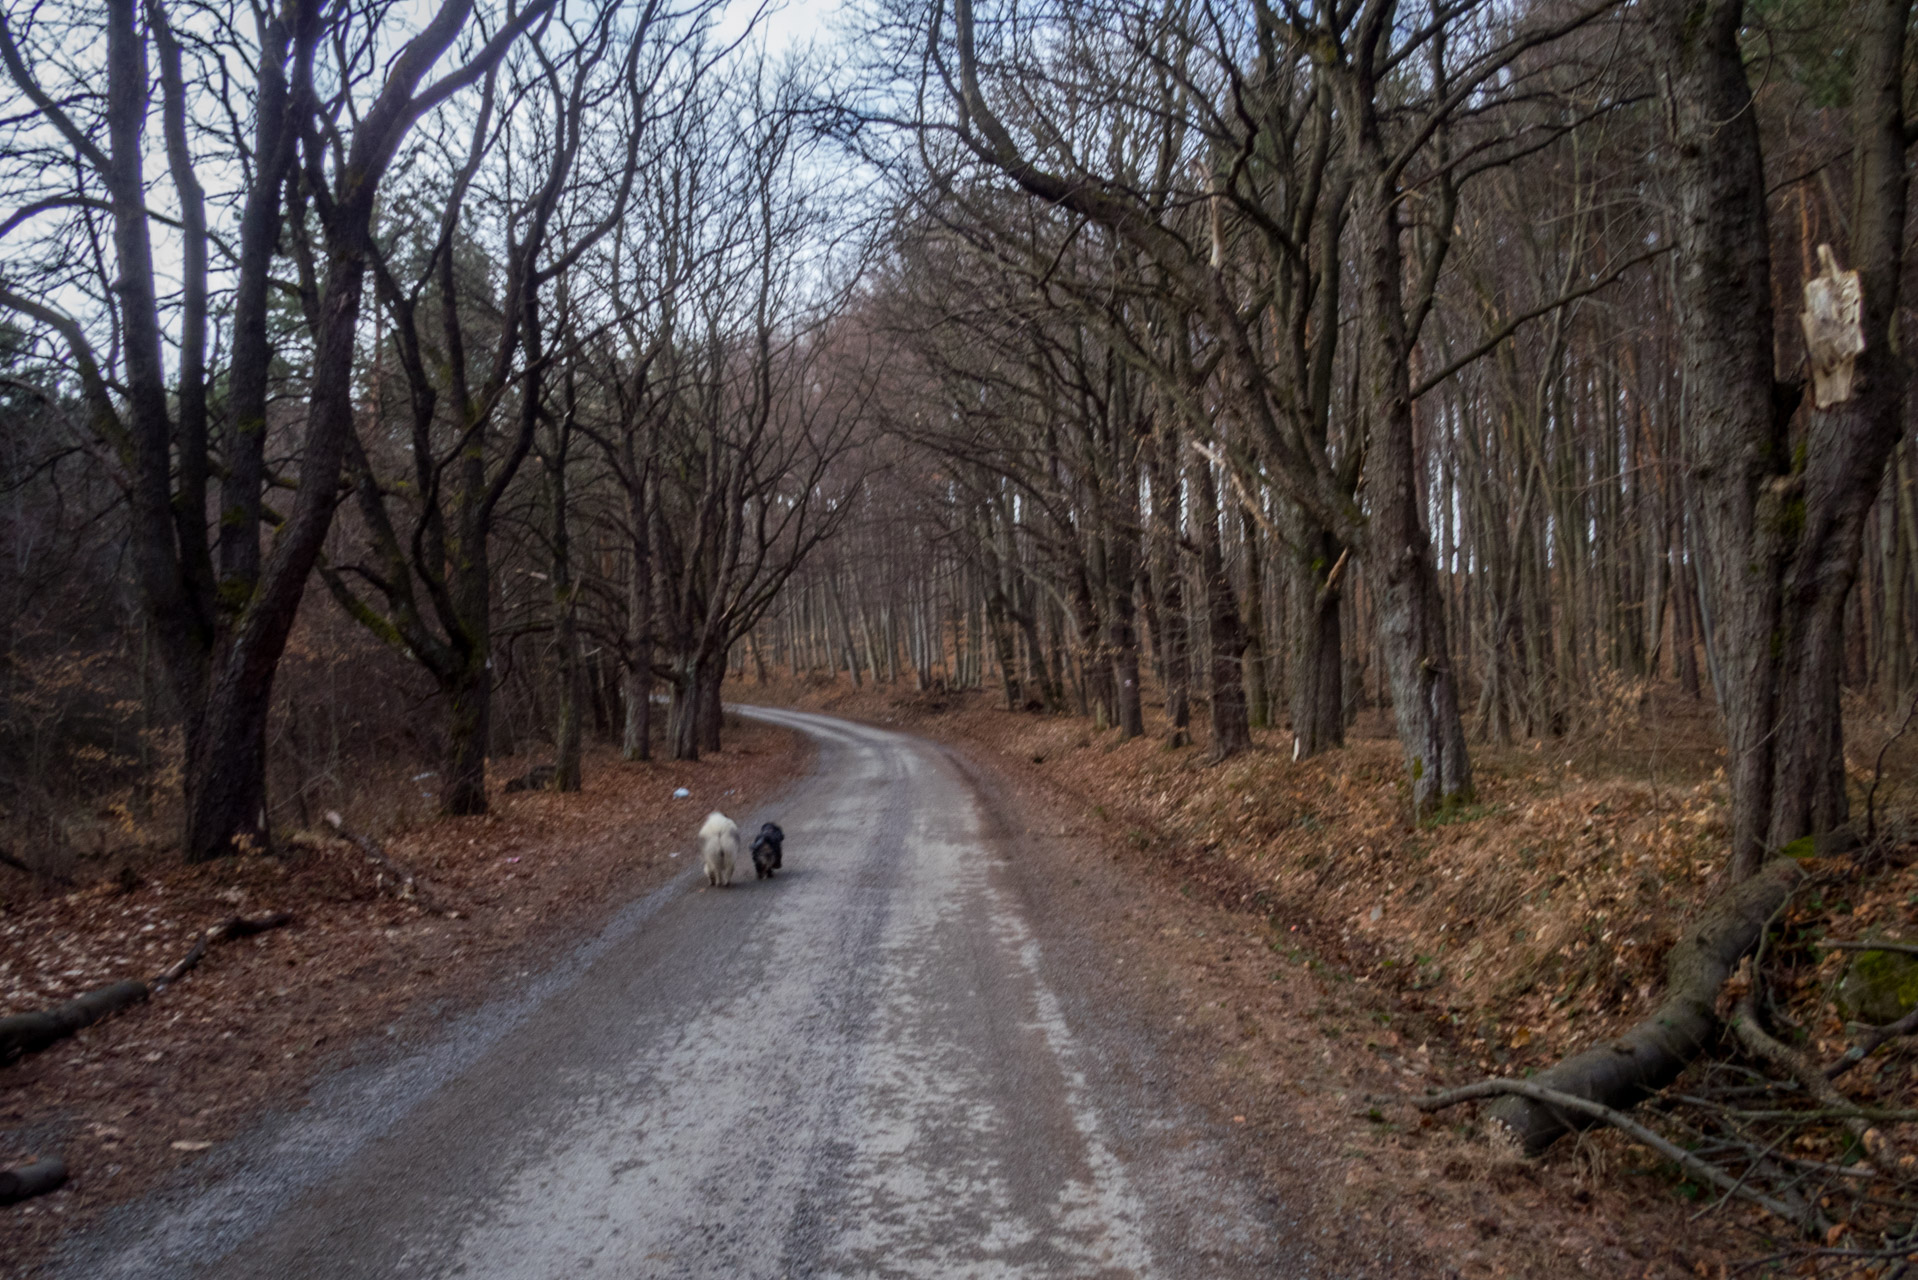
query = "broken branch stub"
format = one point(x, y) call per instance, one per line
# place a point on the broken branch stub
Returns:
point(1834, 329)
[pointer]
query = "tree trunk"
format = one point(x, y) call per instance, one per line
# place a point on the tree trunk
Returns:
point(1122, 642)
point(1781, 528)
point(566, 728)
point(1230, 732)
point(637, 738)
point(1848, 448)
point(1168, 583)
point(1258, 700)
point(711, 708)
point(1003, 645)
point(1733, 434)
point(226, 777)
point(682, 712)
point(1318, 642)
point(468, 698)
point(1095, 687)
point(1624, 1070)
point(1400, 573)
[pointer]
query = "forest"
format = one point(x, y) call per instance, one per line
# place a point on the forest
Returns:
point(389, 391)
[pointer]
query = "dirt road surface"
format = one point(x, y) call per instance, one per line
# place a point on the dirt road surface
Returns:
point(873, 1065)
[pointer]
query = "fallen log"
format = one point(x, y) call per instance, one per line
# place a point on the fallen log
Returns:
point(26, 1033)
point(1623, 1072)
point(35, 1178)
point(409, 884)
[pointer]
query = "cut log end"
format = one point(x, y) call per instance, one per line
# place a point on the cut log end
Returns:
point(36, 1178)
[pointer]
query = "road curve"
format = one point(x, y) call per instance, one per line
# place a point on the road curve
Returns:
point(868, 1066)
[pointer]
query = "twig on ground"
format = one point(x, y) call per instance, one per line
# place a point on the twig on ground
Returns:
point(1751, 1167)
point(1806, 1217)
point(409, 884)
point(228, 929)
point(1884, 1153)
point(1869, 1042)
point(1900, 948)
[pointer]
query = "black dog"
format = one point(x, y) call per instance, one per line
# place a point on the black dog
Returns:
point(766, 850)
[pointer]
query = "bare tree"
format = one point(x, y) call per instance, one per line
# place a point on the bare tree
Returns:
point(221, 624)
point(1781, 508)
point(547, 178)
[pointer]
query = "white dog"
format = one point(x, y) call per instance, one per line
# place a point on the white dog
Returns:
point(719, 845)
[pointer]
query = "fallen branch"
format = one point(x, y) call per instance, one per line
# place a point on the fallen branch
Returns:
point(1624, 1071)
point(35, 1178)
point(409, 884)
point(1901, 948)
point(1869, 1042)
point(1805, 1216)
point(1744, 1023)
point(1807, 1115)
point(26, 1033)
point(228, 929)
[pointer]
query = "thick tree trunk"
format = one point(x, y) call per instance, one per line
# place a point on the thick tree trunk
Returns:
point(1733, 433)
point(1399, 569)
point(226, 777)
point(636, 739)
point(1847, 451)
point(682, 712)
point(711, 707)
point(1258, 700)
point(1781, 528)
point(1318, 643)
point(1230, 732)
point(1412, 643)
point(468, 698)
point(35, 1178)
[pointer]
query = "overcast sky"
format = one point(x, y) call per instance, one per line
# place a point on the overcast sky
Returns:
point(792, 22)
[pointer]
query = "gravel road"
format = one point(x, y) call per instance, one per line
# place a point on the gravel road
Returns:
point(872, 1065)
